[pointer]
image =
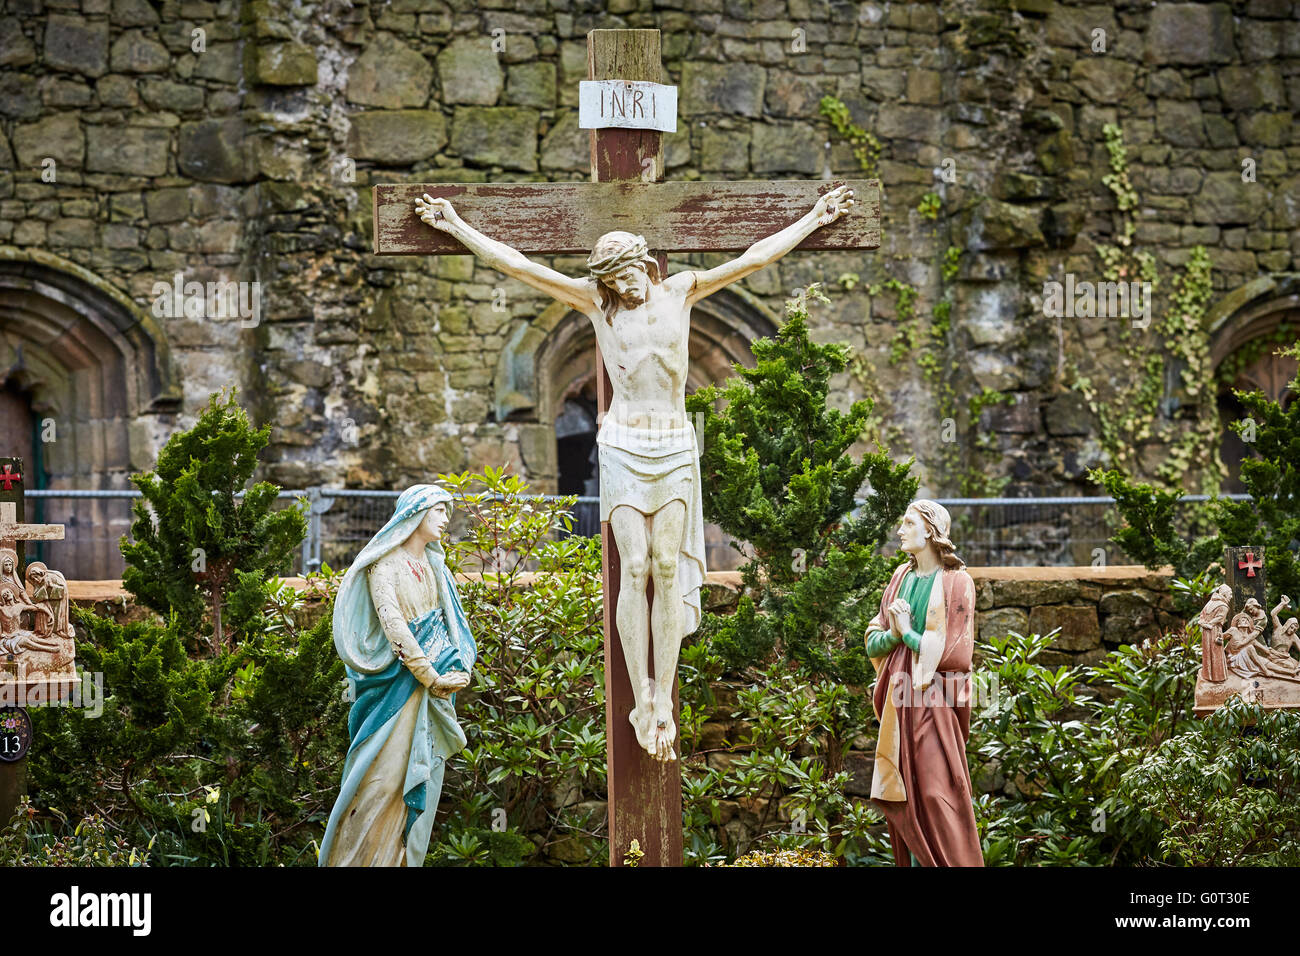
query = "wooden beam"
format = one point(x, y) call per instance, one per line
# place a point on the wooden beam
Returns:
point(567, 218)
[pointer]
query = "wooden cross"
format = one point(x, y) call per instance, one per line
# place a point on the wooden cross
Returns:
point(12, 530)
point(566, 219)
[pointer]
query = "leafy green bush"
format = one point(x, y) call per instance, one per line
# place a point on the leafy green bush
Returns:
point(25, 841)
point(1227, 792)
point(1059, 749)
point(775, 787)
point(534, 714)
point(224, 752)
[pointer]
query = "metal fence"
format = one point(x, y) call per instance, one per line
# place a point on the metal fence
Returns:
point(987, 531)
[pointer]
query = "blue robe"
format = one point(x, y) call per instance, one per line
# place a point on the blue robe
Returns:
point(383, 684)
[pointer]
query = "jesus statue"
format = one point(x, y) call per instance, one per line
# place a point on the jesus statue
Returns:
point(649, 460)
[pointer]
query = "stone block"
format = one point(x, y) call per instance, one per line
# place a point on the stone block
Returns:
point(1224, 199)
point(1079, 627)
point(531, 84)
point(134, 13)
point(1022, 593)
point(502, 136)
point(390, 75)
point(220, 62)
point(999, 622)
point(567, 146)
point(860, 768)
point(133, 150)
point(999, 225)
point(15, 47)
point(82, 233)
point(216, 151)
point(116, 90)
point(724, 150)
point(76, 45)
point(58, 137)
point(1248, 88)
point(469, 72)
point(791, 148)
point(1190, 34)
point(134, 52)
point(166, 95)
point(1103, 79)
point(18, 97)
point(736, 88)
point(397, 137)
point(794, 96)
point(284, 64)
point(1179, 122)
point(1068, 414)
point(167, 205)
point(910, 122)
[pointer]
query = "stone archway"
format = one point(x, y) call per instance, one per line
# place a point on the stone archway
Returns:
point(1245, 328)
point(546, 383)
point(91, 368)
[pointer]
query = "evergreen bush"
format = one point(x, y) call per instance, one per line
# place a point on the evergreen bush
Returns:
point(779, 475)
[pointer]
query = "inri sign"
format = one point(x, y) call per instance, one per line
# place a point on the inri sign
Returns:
point(627, 104)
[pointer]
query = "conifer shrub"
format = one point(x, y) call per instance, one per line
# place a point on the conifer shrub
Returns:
point(202, 535)
point(222, 727)
point(779, 474)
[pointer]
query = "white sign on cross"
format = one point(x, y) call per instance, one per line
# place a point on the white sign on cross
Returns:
point(627, 104)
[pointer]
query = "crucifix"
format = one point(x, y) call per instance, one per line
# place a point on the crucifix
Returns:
point(652, 523)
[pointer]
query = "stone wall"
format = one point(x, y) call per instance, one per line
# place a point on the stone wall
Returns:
point(229, 140)
point(1095, 609)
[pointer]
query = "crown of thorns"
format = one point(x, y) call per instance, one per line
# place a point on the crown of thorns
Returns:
point(619, 259)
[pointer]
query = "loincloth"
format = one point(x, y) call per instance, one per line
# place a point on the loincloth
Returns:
point(647, 469)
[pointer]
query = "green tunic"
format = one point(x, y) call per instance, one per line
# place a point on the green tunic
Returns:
point(915, 590)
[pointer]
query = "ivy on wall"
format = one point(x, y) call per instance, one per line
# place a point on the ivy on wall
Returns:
point(1150, 405)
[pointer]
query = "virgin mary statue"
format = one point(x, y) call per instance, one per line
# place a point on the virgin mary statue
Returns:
point(402, 634)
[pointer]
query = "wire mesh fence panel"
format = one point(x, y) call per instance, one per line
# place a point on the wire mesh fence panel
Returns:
point(94, 524)
point(1022, 532)
point(350, 521)
point(93, 528)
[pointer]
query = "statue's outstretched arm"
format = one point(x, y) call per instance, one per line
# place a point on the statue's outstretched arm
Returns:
point(829, 208)
point(578, 294)
point(1285, 602)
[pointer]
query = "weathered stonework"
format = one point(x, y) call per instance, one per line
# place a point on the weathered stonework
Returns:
point(238, 141)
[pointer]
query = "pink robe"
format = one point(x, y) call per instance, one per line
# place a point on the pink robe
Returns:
point(921, 781)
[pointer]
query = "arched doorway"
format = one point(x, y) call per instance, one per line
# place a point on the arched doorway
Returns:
point(83, 370)
point(546, 380)
point(1246, 330)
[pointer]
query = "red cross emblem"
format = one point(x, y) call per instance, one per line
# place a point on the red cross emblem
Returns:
point(1249, 564)
point(9, 476)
